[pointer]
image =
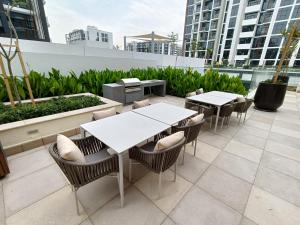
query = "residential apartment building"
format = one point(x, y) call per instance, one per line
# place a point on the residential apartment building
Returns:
point(91, 37)
point(166, 48)
point(28, 18)
point(239, 31)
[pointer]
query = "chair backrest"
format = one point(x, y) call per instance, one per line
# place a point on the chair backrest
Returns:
point(239, 106)
point(207, 111)
point(227, 110)
point(191, 132)
point(248, 104)
point(192, 105)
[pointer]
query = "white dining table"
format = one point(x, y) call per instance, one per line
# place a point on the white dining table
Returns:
point(216, 99)
point(165, 113)
point(122, 132)
point(224, 94)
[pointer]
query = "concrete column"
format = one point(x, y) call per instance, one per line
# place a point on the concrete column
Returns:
point(152, 42)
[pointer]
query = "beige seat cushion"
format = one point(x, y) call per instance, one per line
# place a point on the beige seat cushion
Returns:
point(240, 99)
point(194, 120)
point(68, 150)
point(191, 94)
point(104, 113)
point(200, 91)
point(169, 141)
point(140, 104)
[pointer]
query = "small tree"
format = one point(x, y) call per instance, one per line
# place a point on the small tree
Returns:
point(291, 42)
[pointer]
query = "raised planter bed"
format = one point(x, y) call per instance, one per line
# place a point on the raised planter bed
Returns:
point(27, 134)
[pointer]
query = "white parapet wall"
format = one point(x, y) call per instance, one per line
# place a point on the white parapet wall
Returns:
point(43, 56)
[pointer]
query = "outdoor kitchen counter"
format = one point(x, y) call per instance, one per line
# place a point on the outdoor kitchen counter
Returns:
point(157, 87)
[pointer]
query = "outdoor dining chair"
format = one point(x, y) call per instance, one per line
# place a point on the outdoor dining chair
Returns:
point(98, 163)
point(225, 113)
point(242, 107)
point(156, 161)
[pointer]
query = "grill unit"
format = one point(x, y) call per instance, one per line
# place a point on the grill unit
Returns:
point(132, 89)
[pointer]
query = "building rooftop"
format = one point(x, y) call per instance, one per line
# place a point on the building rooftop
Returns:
point(245, 174)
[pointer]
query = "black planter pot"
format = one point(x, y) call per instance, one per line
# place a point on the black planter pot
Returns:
point(269, 96)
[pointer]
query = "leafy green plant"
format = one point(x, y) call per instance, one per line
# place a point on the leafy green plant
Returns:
point(53, 106)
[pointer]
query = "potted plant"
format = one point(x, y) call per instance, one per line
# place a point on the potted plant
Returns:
point(270, 94)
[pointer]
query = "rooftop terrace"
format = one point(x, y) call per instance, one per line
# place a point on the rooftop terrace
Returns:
point(245, 174)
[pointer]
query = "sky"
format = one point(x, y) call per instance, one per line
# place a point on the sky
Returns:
point(121, 17)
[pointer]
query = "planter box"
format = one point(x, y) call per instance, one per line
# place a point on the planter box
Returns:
point(27, 134)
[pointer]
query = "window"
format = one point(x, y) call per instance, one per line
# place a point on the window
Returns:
point(287, 2)
point(228, 44)
point(275, 41)
point(262, 29)
point(245, 40)
point(279, 27)
point(258, 42)
point(226, 55)
point(212, 35)
point(197, 18)
point(189, 20)
point(270, 63)
point(234, 10)
point(104, 37)
point(190, 10)
point(230, 33)
point(248, 28)
point(195, 27)
point(253, 2)
point(296, 12)
point(88, 35)
point(271, 53)
point(284, 13)
point(242, 51)
point(97, 39)
point(190, 2)
point(203, 36)
point(210, 44)
point(265, 17)
point(250, 16)
point(239, 62)
point(254, 63)
point(236, 1)
point(232, 22)
point(198, 7)
point(255, 53)
point(188, 29)
point(268, 4)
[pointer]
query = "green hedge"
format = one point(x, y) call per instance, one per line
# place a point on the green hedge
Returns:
point(56, 105)
point(179, 82)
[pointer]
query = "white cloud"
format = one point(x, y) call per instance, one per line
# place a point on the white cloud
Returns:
point(122, 17)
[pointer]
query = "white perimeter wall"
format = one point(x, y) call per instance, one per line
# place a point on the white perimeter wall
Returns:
point(42, 56)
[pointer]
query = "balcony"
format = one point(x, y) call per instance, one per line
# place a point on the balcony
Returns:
point(249, 22)
point(253, 8)
point(247, 34)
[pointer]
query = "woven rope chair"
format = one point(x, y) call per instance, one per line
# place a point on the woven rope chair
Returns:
point(99, 163)
point(156, 161)
point(225, 113)
point(191, 133)
point(242, 107)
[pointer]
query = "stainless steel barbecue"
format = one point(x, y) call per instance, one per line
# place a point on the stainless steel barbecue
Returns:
point(132, 89)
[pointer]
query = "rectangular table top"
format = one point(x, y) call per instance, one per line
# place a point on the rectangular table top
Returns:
point(166, 113)
point(223, 94)
point(123, 131)
point(211, 99)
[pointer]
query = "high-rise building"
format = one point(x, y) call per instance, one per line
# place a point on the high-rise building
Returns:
point(28, 18)
point(91, 37)
point(239, 31)
point(166, 48)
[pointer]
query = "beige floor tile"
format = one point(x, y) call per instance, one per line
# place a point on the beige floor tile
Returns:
point(204, 151)
point(278, 184)
point(199, 208)
point(245, 130)
point(192, 168)
point(171, 192)
point(56, 209)
point(29, 163)
point(26, 153)
point(2, 208)
point(266, 209)
point(137, 210)
point(258, 123)
point(86, 222)
point(287, 140)
point(243, 150)
point(236, 166)
point(281, 164)
point(96, 194)
point(168, 221)
point(283, 150)
point(23, 192)
point(215, 140)
point(246, 221)
point(250, 140)
point(225, 187)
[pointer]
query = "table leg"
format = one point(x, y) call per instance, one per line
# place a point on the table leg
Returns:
point(217, 118)
point(121, 179)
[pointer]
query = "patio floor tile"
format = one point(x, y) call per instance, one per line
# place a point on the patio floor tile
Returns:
point(229, 189)
point(261, 124)
point(217, 141)
point(250, 139)
point(266, 209)
point(236, 166)
point(284, 139)
point(58, 208)
point(243, 150)
point(246, 221)
point(278, 184)
point(281, 164)
point(28, 163)
point(192, 168)
point(283, 150)
point(86, 222)
point(137, 210)
point(94, 195)
point(199, 208)
point(2, 208)
point(23, 192)
point(168, 221)
point(204, 151)
point(171, 192)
